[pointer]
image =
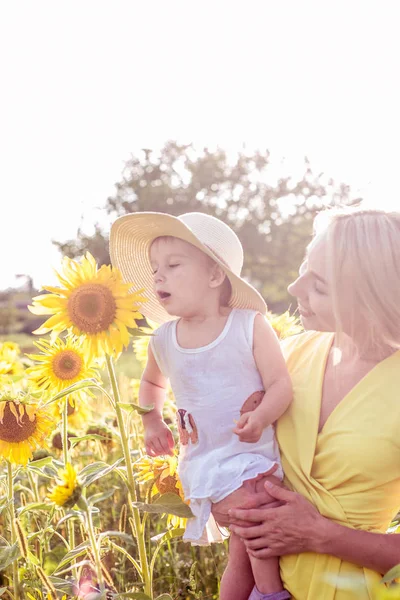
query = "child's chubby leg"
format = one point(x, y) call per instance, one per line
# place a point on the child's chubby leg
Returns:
point(265, 572)
point(252, 494)
point(237, 581)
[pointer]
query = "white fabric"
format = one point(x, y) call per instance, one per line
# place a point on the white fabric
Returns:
point(211, 384)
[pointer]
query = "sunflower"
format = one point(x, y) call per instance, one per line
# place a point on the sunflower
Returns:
point(93, 303)
point(140, 343)
point(67, 490)
point(61, 364)
point(10, 363)
point(79, 412)
point(24, 427)
point(161, 472)
point(285, 324)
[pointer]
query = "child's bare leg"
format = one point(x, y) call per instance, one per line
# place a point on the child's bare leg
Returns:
point(237, 580)
point(266, 574)
point(265, 571)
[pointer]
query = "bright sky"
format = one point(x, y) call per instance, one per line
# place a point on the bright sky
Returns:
point(85, 84)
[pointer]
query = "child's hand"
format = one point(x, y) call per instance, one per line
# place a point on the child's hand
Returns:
point(249, 427)
point(158, 439)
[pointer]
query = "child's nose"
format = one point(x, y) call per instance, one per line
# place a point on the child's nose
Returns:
point(159, 276)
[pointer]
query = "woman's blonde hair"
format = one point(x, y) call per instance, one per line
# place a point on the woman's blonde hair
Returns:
point(363, 249)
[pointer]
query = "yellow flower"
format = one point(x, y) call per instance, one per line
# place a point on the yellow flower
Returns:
point(10, 364)
point(24, 427)
point(381, 592)
point(161, 471)
point(285, 324)
point(79, 413)
point(67, 491)
point(61, 364)
point(93, 303)
point(175, 522)
point(140, 344)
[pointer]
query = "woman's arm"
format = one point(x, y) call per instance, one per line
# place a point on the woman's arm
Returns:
point(296, 526)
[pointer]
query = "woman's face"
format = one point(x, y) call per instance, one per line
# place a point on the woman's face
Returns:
point(313, 289)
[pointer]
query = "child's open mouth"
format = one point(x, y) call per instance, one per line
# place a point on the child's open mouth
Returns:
point(163, 295)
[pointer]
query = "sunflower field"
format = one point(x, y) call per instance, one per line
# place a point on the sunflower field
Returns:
point(83, 512)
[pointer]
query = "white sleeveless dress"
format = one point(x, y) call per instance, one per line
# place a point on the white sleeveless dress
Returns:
point(210, 385)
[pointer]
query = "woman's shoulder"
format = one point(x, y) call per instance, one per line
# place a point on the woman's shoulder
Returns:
point(303, 342)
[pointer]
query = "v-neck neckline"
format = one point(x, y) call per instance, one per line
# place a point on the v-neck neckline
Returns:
point(350, 393)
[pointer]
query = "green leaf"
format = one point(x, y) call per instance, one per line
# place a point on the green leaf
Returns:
point(90, 436)
point(394, 573)
point(49, 470)
point(74, 553)
point(63, 585)
point(80, 385)
point(4, 503)
point(120, 534)
point(130, 406)
point(71, 514)
point(2, 590)
point(32, 558)
point(96, 470)
point(165, 537)
point(42, 462)
point(101, 496)
point(82, 563)
point(169, 503)
point(34, 506)
point(8, 554)
point(135, 595)
point(164, 597)
point(168, 535)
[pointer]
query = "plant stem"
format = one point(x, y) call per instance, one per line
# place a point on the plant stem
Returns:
point(64, 436)
point(64, 432)
point(132, 497)
point(93, 542)
point(10, 489)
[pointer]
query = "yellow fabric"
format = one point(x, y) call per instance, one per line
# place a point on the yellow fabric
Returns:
point(350, 470)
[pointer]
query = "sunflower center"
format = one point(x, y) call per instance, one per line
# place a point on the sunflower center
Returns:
point(92, 308)
point(13, 430)
point(67, 364)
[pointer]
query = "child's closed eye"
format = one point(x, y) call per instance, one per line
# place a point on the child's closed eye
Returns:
point(174, 265)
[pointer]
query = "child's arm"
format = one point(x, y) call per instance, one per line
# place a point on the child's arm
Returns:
point(276, 379)
point(158, 438)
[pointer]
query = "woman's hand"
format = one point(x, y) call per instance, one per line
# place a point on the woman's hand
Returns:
point(291, 528)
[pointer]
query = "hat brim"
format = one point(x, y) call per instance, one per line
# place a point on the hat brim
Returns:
point(130, 239)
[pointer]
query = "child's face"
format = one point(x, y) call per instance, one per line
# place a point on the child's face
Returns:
point(183, 276)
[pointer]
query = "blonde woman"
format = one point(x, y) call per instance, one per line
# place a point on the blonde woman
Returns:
point(340, 438)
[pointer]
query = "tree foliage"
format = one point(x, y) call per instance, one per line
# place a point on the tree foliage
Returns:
point(272, 214)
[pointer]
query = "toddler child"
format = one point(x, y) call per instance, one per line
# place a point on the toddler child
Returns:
point(226, 371)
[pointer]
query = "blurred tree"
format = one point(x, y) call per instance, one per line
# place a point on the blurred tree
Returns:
point(10, 319)
point(272, 215)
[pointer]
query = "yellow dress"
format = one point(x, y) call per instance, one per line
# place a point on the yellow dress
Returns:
point(350, 470)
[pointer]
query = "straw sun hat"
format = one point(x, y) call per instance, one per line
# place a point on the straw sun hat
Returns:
point(132, 235)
